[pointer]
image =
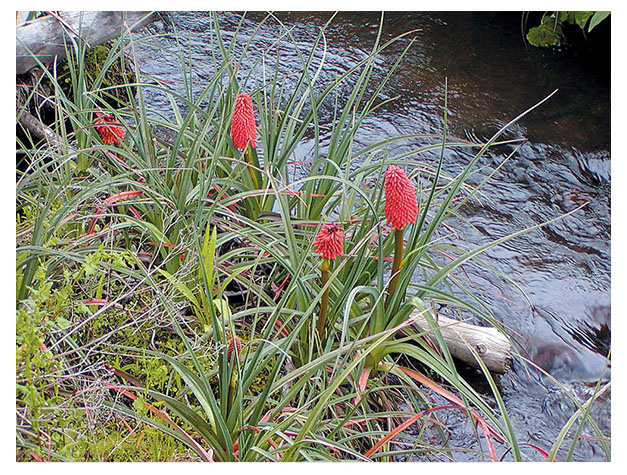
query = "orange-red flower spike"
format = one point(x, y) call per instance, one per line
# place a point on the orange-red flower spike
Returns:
point(243, 129)
point(110, 130)
point(401, 207)
point(329, 242)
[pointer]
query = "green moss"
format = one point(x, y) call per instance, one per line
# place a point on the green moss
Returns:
point(144, 443)
point(118, 73)
point(118, 441)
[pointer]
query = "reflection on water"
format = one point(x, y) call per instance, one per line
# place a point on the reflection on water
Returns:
point(564, 269)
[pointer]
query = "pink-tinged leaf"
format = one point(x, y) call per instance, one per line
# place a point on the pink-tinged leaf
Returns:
point(504, 298)
point(280, 288)
point(397, 430)
point(488, 440)
point(527, 444)
point(361, 385)
point(135, 213)
point(451, 398)
point(542, 451)
point(69, 218)
point(270, 441)
point(385, 259)
point(266, 416)
point(122, 196)
point(166, 244)
point(92, 225)
point(318, 195)
point(281, 329)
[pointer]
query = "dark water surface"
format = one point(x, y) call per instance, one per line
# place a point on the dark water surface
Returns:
point(564, 268)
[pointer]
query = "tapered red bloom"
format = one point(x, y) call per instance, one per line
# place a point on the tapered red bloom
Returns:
point(330, 241)
point(401, 207)
point(243, 130)
point(110, 130)
point(234, 345)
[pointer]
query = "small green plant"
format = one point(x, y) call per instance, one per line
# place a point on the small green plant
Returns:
point(549, 31)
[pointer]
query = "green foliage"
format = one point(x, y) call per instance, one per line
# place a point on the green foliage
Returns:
point(117, 71)
point(549, 31)
point(141, 444)
point(597, 18)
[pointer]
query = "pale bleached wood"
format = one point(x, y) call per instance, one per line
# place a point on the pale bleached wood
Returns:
point(20, 18)
point(490, 344)
point(47, 37)
point(39, 131)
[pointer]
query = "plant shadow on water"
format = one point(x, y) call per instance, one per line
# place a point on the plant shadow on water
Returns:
point(564, 268)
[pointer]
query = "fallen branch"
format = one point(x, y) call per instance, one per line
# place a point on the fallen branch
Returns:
point(47, 37)
point(489, 343)
point(40, 131)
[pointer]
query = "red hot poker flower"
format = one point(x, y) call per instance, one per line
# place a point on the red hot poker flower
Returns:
point(401, 207)
point(234, 345)
point(329, 241)
point(243, 130)
point(110, 130)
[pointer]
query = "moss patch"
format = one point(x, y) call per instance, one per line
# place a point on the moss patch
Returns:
point(118, 73)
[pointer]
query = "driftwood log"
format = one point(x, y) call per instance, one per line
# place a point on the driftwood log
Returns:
point(489, 343)
point(32, 96)
point(38, 130)
point(48, 37)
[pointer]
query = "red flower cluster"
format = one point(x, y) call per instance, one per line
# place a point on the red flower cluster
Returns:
point(110, 130)
point(401, 207)
point(234, 344)
point(243, 130)
point(329, 241)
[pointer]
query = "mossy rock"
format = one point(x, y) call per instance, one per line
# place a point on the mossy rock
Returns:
point(119, 72)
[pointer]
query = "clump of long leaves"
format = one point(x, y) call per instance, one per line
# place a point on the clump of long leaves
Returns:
point(238, 253)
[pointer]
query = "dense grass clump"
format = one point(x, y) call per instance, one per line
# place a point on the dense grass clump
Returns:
point(171, 304)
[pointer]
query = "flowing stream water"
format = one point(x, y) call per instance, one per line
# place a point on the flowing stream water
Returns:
point(493, 75)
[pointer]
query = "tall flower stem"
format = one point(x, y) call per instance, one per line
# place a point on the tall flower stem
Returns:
point(329, 244)
point(324, 302)
point(396, 265)
point(401, 209)
point(253, 168)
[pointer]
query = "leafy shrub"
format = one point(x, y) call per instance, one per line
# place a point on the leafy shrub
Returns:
point(549, 31)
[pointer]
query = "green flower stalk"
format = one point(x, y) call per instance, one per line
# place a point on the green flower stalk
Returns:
point(324, 301)
point(329, 244)
point(233, 354)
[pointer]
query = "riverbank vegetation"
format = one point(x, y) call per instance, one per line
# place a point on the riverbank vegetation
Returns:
point(550, 30)
point(193, 287)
